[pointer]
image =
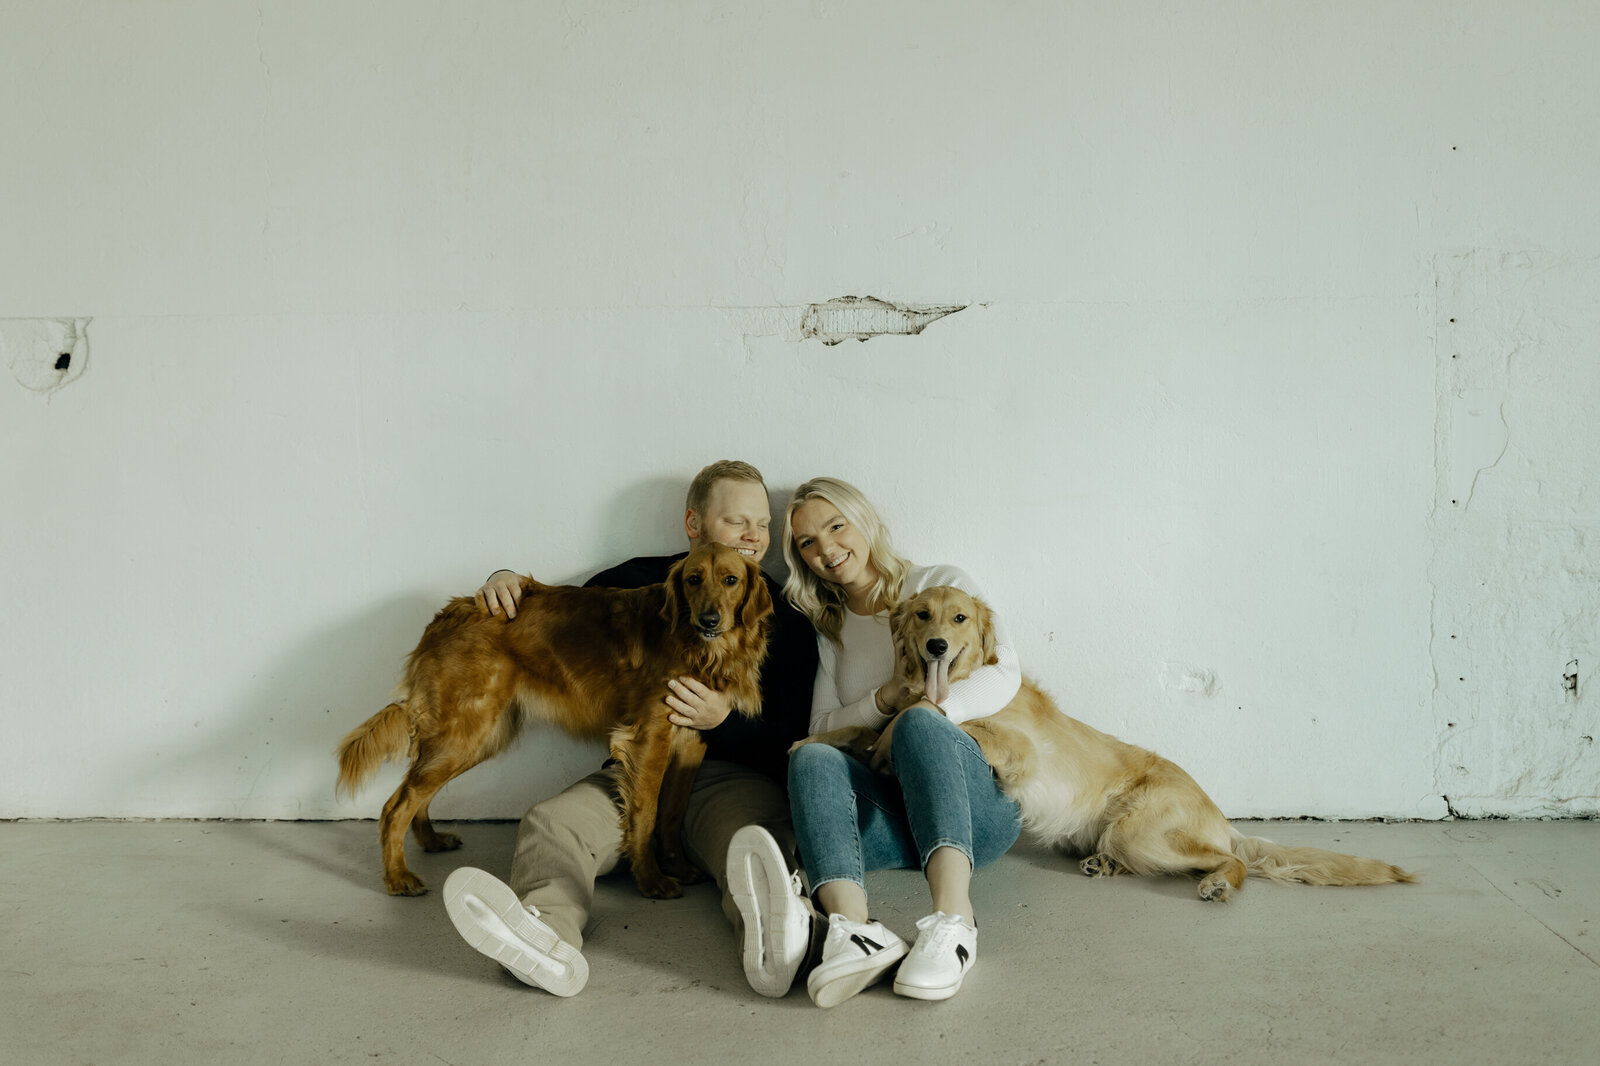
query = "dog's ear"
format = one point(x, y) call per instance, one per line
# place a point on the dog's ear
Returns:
point(985, 618)
point(908, 663)
point(757, 600)
point(674, 594)
point(897, 617)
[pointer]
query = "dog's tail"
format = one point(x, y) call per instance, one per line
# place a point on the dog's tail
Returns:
point(1313, 866)
point(386, 735)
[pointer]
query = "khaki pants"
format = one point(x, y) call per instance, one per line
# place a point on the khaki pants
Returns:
point(568, 840)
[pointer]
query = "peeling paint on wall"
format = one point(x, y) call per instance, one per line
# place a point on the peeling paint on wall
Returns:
point(834, 321)
point(44, 354)
point(1515, 570)
point(863, 317)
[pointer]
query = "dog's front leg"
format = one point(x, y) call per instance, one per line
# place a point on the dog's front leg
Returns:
point(646, 767)
point(854, 740)
point(687, 749)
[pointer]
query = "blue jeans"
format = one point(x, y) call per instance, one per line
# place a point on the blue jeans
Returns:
point(849, 820)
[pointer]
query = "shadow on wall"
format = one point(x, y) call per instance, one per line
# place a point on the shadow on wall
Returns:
point(647, 519)
point(644, 519)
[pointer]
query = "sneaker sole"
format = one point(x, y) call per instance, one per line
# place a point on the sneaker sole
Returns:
point(917, 992)
point(491, 918)
point(832, 991)
point(773, 952)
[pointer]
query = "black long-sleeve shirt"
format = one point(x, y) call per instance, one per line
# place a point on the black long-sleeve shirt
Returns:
point(787, 676)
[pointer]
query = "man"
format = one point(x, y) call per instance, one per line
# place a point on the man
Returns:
point(737, 826)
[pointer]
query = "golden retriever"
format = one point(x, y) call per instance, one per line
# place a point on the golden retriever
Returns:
point(1126, 809)
point(594, 662)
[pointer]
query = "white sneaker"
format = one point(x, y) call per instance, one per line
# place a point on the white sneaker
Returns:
point(491, 918)
point(854, 955)
point(945, 950)
point(774, 909)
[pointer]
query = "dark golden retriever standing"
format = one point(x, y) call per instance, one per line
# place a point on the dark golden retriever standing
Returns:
point(592, 661)
point(1126, 809)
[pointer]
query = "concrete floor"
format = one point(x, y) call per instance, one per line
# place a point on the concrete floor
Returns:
point(208, 942)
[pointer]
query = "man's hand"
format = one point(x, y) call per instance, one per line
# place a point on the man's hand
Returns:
point(696, 706)
point(501, 593)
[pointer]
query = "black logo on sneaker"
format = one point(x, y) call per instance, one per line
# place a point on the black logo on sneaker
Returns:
point(866, 945)
point(961, 953)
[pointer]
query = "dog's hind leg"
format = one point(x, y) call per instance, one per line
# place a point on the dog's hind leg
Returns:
point(430, 772)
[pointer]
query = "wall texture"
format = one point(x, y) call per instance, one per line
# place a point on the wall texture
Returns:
point(1268, 420)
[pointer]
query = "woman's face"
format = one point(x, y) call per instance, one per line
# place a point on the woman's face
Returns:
point(835, 550)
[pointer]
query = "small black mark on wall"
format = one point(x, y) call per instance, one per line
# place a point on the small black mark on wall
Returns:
point(64, 361)
point(1569, 680)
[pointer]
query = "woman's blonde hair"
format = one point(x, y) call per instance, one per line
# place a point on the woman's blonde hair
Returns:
point(824, 602)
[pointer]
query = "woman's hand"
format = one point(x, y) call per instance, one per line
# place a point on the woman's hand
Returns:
point(502, 592)
point(695, 705)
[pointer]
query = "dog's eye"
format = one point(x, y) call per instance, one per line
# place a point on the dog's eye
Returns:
point(923, 616)
point(730, 581)
point(960, 618)
point(692, 579)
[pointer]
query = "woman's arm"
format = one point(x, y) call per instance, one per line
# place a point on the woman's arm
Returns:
point(991, 686)
point(826, 710)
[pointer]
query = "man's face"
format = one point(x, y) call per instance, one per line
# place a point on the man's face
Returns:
point(736, 515)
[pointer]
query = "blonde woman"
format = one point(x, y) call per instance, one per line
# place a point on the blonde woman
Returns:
point(942, 812)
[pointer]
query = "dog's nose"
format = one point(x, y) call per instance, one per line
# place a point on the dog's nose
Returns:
point(708, 619)
point(938, 646)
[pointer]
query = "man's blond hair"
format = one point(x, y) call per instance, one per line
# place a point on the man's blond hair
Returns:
point(721, 470)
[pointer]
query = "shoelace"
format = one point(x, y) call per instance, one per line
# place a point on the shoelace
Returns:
point(939, 933)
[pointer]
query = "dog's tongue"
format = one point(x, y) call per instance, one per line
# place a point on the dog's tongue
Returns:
point(937, 683)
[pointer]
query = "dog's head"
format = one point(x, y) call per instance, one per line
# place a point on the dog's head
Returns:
point(715, 589)
point(942, 626)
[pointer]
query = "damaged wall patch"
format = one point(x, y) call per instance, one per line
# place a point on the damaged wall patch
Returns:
point(44, 354)
point(861, 317)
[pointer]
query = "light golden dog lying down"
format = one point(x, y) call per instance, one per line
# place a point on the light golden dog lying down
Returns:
point(1083, 791)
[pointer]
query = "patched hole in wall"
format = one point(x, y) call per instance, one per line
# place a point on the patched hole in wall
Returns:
point(43, 354)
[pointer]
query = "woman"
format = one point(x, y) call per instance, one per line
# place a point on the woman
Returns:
point(942, 812)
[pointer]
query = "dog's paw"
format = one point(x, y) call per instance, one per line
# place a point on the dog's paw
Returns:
point(900, 694)
point(681, 869)
point(405, 883)
point(1101, 865)
point(442, 842)
point(659, 886)
point(1214, 888)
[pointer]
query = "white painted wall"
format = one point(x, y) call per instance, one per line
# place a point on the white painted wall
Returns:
point(1270, 426)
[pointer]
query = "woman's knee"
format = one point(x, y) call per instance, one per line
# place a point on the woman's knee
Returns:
point(921, 727)
point(812, 764)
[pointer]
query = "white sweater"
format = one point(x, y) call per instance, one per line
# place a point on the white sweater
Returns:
point(850, 673)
